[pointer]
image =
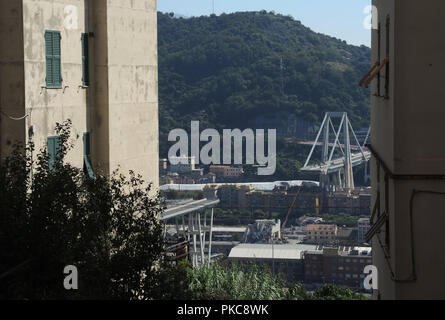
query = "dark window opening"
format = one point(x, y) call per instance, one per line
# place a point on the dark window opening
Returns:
point(87, 167)
point(85, 61)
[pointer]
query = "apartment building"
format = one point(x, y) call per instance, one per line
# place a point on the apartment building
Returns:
point(408, 163)
point(321, 233)
point(362, 228)
point(226, 171)
point(93, 62)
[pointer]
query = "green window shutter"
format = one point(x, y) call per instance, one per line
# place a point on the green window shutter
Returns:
point(49, 59)
point(86, 144)
point(53, 59)
point(54, 146)
point(57, 72)
point(51, 152)
point(85, 61)
point(88, 168)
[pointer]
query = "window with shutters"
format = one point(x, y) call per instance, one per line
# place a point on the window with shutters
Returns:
point(54, 144)
point(85, 61)
point(87, 167)
point(53, 59)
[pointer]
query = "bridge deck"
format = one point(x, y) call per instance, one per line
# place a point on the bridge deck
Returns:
point(189, 207)
point(337, 164)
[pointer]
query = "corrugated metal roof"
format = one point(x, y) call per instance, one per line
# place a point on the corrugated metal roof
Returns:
point(265, 251)
point(257, 185)
point(229, 229)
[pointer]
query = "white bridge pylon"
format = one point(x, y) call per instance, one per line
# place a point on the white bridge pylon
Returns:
point(337, 172)
point(195, 229)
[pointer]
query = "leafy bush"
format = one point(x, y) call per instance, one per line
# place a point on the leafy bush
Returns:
point(235, 283)
point(250, 282)
point(331, 292)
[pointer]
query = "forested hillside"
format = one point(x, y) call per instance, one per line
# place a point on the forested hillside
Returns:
point(226, 70)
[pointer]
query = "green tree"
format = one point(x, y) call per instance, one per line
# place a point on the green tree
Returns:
point(107, 227)
point(227, 70)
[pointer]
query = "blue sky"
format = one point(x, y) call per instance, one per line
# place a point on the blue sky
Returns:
point(342, 19)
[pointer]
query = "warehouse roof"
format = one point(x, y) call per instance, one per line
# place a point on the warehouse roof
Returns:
point(265, 186)
point(265, 251)
point(229, 229)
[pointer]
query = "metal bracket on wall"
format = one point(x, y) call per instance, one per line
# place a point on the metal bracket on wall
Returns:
point(374, 72)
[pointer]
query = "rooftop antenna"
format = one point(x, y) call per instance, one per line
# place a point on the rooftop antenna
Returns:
point(213, 6)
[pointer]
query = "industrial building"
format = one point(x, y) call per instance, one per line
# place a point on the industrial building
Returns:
point(353, 202)
point(281, 201)
point(408, 162)
point(280, 258)
point(342, 266)
point(300, 200)
point(93, 62)
point(234, 196)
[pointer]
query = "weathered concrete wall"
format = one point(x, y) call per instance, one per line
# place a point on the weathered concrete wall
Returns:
point(419, 134)
point(132, 87)
point(49, 106)
point(119, 108)
point(12, 86)
point(382, 138)
point(99, 114)
point(420, 95)
point(407, 132)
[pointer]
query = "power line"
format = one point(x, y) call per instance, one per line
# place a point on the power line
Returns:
point(13, 118)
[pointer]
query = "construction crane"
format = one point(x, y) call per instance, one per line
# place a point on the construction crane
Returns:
point(290, 209)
